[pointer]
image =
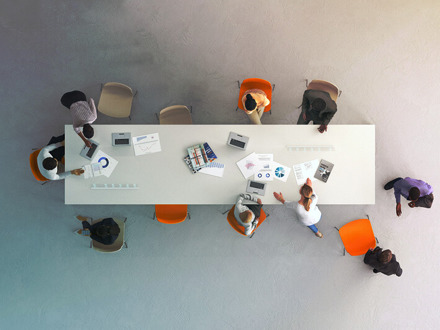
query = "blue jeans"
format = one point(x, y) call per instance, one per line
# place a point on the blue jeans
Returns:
point(313, 228)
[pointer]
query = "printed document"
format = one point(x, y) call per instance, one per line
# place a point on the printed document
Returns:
point(146, 144)
point(305, 170)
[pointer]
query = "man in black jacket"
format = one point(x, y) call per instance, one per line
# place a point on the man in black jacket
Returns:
point(382, 261)
point(317, 106)
point(105, 231)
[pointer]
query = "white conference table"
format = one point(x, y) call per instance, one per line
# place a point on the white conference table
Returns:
point(164, 178)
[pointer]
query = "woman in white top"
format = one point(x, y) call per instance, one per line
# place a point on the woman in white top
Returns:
point(254, 101)
point(306, 209)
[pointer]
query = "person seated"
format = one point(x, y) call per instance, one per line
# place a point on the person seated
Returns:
point(49, 158)
point(382, 261)
point(247, 216)
point(317, 106)
point(419, 193)
point(83, 114)
point(105, 232)
point(254, 101)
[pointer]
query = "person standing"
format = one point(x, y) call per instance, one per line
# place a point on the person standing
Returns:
point(317, 106)
point(418, 192)
point(383, 261)
point(247, 216)
point(306, 208)
point(254, 102)
point(83, 114)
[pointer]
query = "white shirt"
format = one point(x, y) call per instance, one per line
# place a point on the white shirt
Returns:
point(83, 113)
point(307, 218)
point(240, 208)
point(50, 174)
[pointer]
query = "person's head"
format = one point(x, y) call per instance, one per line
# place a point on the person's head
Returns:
point(414, 194)
point(50, 163)
point(318, 104)
point(88, 131)
point(250, 103)
point(385, 256)
point(104, 231)
point(306, 191)
point(246, 216)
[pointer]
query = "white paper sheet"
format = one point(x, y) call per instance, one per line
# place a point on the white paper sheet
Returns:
point(108, 163)
point(146, 144)
point(281, 172)
point(248, 165)
point(265, 169)
point(305, 170)
point(214, 168)
point(92, 170)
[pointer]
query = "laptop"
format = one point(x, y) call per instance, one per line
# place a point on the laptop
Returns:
point(88, 153)
point(255, 187)
point(121, 139)
point(238, 141)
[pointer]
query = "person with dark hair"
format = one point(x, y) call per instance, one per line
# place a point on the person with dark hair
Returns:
point(49, 158)
point(105, 232)
point(247, 216)
point(383, 261)
point(254, 101)
point(306, 208)
point(83, 114)
point(419, 193)
point(317, 106)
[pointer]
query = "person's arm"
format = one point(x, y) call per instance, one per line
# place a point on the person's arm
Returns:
point(86, 142)
point(371, 255)
point(398, 190)
point(92, 106)
point(305, 104)
point(398, 270)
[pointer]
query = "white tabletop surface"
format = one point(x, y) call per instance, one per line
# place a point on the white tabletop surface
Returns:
point(164, 178)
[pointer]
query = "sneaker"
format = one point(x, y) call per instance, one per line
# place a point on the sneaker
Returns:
point(319, 234)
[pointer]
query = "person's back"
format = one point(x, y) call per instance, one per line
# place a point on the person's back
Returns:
point(244, 215)
point(105, 231)
point(383, 261)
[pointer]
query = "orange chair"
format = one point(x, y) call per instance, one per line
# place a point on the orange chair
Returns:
point(240, 229)
point(34, 167)
point(167, 213)
point(358, 237)
point(325, 86)
point(255, 83)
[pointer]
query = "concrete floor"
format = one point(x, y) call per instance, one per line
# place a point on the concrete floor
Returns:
point(201, 274)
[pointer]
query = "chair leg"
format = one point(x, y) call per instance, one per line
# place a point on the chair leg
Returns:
point(44, 183)
point(273, 87)
point(251, 235)
point(340, 92)
point(238, 83)
point(125, 220)
point(344, 251)
point(191, 108)
point(307, 83)
point(157, 117)
point(189, 216)
point(154, 215)
point(91, 243)
point(336, 228)
point(236, 108)
point(125, 244)
point(377, 241)
point(129, 117)
point(225, 212)
point(135, 93)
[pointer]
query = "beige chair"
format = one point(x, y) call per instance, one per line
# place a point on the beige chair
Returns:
point(325, 86)
point(117, 245)
point(116, 100)
point(175, 115)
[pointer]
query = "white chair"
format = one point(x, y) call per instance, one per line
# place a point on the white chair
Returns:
point(175, 115)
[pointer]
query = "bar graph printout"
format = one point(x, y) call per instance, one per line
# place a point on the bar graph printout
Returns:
point(146, 144)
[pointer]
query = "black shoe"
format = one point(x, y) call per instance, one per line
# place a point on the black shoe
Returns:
point(390, 184)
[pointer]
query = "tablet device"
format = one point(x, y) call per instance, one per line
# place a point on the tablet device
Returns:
point(121, 139)
point(87, 152)
point(256, 187)
point(238, 141)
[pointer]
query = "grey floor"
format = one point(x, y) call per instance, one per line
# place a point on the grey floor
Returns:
point(201, 274)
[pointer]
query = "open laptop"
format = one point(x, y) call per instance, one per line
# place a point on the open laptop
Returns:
point(238, 141)
point(121, 139)
point(88, 153)
point(256, 187)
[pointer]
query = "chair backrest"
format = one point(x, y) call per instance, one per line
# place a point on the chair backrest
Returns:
point(168, 213)
point(175, 115)
point(325, 86)
point(238, 228)
point(358, 237)
point(117, 245)
point(255, 83)
point(116, 100)
point(34, 166)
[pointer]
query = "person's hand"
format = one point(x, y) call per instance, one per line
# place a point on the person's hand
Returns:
point(259, 201)
point(398, 209)
point(412, 204)
point(322, 128)
point(309, 182)
point(77, 171)
point(279, 197)
point(304, 116)
point(88, 143)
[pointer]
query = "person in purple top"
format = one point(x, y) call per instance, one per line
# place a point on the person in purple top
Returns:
point(419, 193)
